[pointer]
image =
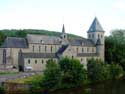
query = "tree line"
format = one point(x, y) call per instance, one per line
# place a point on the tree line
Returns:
point(115, 48)
point(69, 73)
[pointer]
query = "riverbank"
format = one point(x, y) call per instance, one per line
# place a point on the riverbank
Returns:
point(94, 88)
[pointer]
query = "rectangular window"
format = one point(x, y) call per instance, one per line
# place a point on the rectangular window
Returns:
point(39, 48)
point(45, 48)
point(93, 50)
point(33, 48)
point(51, 48)
point(82, 49)
point(35, 61)
point(28, 61)
point(87, 49)
point(42, 61)
point(77, 50)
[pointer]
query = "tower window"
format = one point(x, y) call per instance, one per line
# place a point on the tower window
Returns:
point(64, 36)
point(98, 36)
point(92, 35)
point(101, 36)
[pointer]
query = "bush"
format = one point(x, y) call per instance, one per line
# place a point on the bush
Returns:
point(2, 90)
point(73, 72)
point(98, 70)
point(116, 71)
point(52, 75)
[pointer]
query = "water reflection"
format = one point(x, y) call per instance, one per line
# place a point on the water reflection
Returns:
point(110, 87)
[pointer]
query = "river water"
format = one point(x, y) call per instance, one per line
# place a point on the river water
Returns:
point(108, 87)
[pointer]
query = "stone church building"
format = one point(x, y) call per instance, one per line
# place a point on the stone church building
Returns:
point(33, 51)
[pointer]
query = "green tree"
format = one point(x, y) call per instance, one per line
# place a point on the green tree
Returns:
point(97, 70)
point(52, 74)
point(21, 33)
point(2, 37)
point(114, 47)
point(116, 71)
point(73, 72)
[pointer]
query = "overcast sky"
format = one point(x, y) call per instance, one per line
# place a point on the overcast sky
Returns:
point(77, 15)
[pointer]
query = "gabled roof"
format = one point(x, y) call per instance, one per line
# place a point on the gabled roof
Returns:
point(32, 38)
point(62, 49)
point(95, 26)
point(86, 54)
point(81, 42)
point(14, 42)
point(39, 55)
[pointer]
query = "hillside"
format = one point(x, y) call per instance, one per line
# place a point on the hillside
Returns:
point(22, 33)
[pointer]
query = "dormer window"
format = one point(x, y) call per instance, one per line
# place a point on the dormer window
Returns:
point(41, 41)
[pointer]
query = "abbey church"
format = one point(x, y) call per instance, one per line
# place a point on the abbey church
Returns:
point(33, 51)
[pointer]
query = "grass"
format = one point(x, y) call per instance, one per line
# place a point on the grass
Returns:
point(4, 73)
point(28, 80)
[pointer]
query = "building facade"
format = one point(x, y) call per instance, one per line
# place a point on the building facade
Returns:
point(34, 51)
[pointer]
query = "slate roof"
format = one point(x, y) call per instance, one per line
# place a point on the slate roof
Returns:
point(39, 55)
point(81, 42)
point(32, 38)
point(62, 49)
point(95, 26)
point(86, 54)
point(14, 42)
point(63, 29)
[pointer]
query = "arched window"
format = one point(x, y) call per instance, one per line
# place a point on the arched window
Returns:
point(81, 59)
point(42, 61)
point(101, 36)
point(64, 36)
point(28, 61)
point(35, 61)
point(98, 36)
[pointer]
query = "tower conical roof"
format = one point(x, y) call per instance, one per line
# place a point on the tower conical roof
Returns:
point(95, 26)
